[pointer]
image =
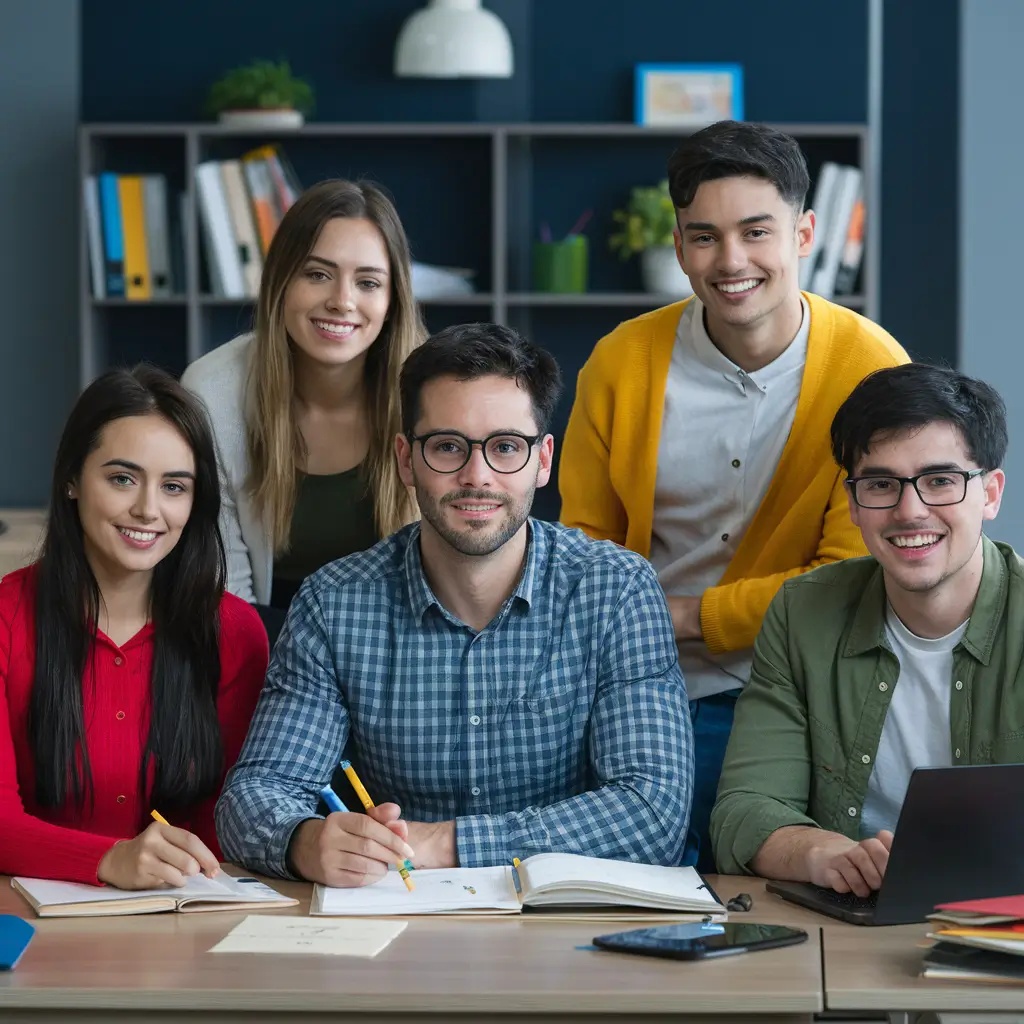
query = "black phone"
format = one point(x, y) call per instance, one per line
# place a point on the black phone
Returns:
point(700, 941)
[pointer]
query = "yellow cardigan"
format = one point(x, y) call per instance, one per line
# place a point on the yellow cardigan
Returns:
point(610, 459)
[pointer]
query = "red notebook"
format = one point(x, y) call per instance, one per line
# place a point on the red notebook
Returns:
point(1002, 906)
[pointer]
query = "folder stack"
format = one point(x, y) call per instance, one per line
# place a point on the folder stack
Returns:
point(978, 940)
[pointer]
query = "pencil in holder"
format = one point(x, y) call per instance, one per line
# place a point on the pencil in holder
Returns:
point(560, 266)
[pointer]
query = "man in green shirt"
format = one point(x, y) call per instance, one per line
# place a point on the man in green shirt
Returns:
point(869, 668)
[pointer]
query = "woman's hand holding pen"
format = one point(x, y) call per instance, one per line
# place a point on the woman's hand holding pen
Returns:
point(160, 856)
point(347, 850)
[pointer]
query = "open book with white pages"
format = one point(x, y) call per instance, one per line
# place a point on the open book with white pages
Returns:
point(73, 899)
point(545, 881)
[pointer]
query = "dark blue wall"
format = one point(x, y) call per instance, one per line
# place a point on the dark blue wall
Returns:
point(803, 60)
point(920, 180)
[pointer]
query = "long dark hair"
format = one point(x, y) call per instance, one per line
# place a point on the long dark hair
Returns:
point(184, 745)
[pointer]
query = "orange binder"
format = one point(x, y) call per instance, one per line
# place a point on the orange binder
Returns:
point(137, 283)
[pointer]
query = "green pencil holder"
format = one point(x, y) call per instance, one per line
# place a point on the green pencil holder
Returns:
point(560, 266)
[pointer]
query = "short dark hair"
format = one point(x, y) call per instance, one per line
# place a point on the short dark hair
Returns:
point(912, 396)
point(733, 149)
point(470, 351)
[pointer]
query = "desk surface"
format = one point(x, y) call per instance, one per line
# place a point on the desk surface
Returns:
point(517, 965)
point(880, 968)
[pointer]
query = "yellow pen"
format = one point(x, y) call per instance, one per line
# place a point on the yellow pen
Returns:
point(364, 798)
point(157, 816)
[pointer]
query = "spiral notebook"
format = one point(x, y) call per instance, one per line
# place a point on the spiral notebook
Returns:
point(545, 881)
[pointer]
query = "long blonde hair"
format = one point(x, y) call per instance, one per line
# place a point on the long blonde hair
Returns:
point(275, 444)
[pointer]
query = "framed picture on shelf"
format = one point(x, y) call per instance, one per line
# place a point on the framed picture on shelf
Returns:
point(688, 95)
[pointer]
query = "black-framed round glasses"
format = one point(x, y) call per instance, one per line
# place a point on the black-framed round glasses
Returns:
point(447, 451)
point(948, 487)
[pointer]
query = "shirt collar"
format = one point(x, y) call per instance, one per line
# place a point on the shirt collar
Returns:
point(422, 597)
point(708, 353)
point(868, 630)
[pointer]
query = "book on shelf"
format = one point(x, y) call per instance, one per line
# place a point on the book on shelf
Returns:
point(136, 259)
point(113, 236)
point(580, 886)
point(158, 234)
point(833, 265)
point(129, 236)
point(240, 213)
point(50, 898)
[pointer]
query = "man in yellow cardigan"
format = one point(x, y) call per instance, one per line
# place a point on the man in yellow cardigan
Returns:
point(699, 436)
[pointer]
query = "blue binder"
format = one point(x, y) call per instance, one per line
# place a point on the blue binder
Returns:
point(113, 234)
point(15, 935)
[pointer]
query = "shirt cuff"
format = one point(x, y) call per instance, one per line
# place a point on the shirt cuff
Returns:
point(83, 864)
point(753, 833)
point(277, 861)
point(482, 840)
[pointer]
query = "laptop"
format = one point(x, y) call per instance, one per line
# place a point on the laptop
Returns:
point(960, 836)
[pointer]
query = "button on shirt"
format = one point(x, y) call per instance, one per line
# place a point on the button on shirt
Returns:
point(562, 725)
point(722, 435)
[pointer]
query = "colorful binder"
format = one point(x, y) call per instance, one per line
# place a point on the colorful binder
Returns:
point(113, 236)
point(136, 259)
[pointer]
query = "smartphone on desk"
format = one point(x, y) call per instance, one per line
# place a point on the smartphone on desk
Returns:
point(700, 941)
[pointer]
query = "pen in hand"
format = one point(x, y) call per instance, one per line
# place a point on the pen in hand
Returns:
point(334, 803)
point(346, 766)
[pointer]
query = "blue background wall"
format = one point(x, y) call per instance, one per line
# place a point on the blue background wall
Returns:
point(803, 61)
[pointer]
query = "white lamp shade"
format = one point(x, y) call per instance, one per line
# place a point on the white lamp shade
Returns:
point(453, 39)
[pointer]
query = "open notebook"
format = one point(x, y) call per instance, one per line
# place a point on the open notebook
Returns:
point(72, 899)
point(546, 880)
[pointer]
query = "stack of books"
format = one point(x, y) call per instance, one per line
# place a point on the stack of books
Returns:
point(834, 262)
point(241, 203)
point(978, 940)
point(135, 233)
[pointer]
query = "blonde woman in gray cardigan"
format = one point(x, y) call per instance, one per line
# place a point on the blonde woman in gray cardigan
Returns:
point(305, 409)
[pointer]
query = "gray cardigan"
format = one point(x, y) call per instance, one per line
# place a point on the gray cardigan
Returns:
point(218, 378)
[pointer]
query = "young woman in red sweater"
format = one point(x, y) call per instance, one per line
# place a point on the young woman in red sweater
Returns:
point(127, 675)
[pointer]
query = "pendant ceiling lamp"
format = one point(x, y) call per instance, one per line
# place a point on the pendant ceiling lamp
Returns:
point(453, 39)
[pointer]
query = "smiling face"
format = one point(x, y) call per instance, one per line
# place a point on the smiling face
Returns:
point(134, 495)
point(335, 306)
point(923, 547)
point(740, 244)
point(475, 510)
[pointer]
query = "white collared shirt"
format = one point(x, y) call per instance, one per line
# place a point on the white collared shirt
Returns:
point(722, 434)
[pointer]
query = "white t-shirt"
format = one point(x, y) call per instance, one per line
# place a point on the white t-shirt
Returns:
point(915, 733)
point(722, 434)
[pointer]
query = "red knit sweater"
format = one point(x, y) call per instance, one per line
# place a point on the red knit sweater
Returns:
point(60, 843)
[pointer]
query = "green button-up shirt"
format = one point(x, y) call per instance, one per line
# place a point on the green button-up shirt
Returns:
point(808, 723)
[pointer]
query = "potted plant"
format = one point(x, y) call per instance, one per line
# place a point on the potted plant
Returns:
point(645, 227)
point(261, 95)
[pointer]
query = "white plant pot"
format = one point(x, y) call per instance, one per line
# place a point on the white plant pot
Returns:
point(662, 274)
point(263, 119)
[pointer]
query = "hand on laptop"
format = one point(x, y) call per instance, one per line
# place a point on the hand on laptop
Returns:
point(841, 864)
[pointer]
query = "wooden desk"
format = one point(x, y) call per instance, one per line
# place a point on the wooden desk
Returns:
point(156, 967)
point(20, 542)
point(879, 969)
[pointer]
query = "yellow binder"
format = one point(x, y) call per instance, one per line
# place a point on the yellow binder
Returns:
point(137, 284)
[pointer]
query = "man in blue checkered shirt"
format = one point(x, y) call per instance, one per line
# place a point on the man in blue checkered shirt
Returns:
point(504, 686)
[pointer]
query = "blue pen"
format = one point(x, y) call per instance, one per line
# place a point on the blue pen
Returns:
point(332, 799)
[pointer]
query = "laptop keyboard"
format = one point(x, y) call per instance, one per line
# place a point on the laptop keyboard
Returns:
point(849, 900)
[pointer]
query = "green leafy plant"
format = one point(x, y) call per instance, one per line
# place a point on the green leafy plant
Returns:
point(647, 221)
point(260, 85)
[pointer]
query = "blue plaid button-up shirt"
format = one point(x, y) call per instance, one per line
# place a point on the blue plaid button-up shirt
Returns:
point(563, 725)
